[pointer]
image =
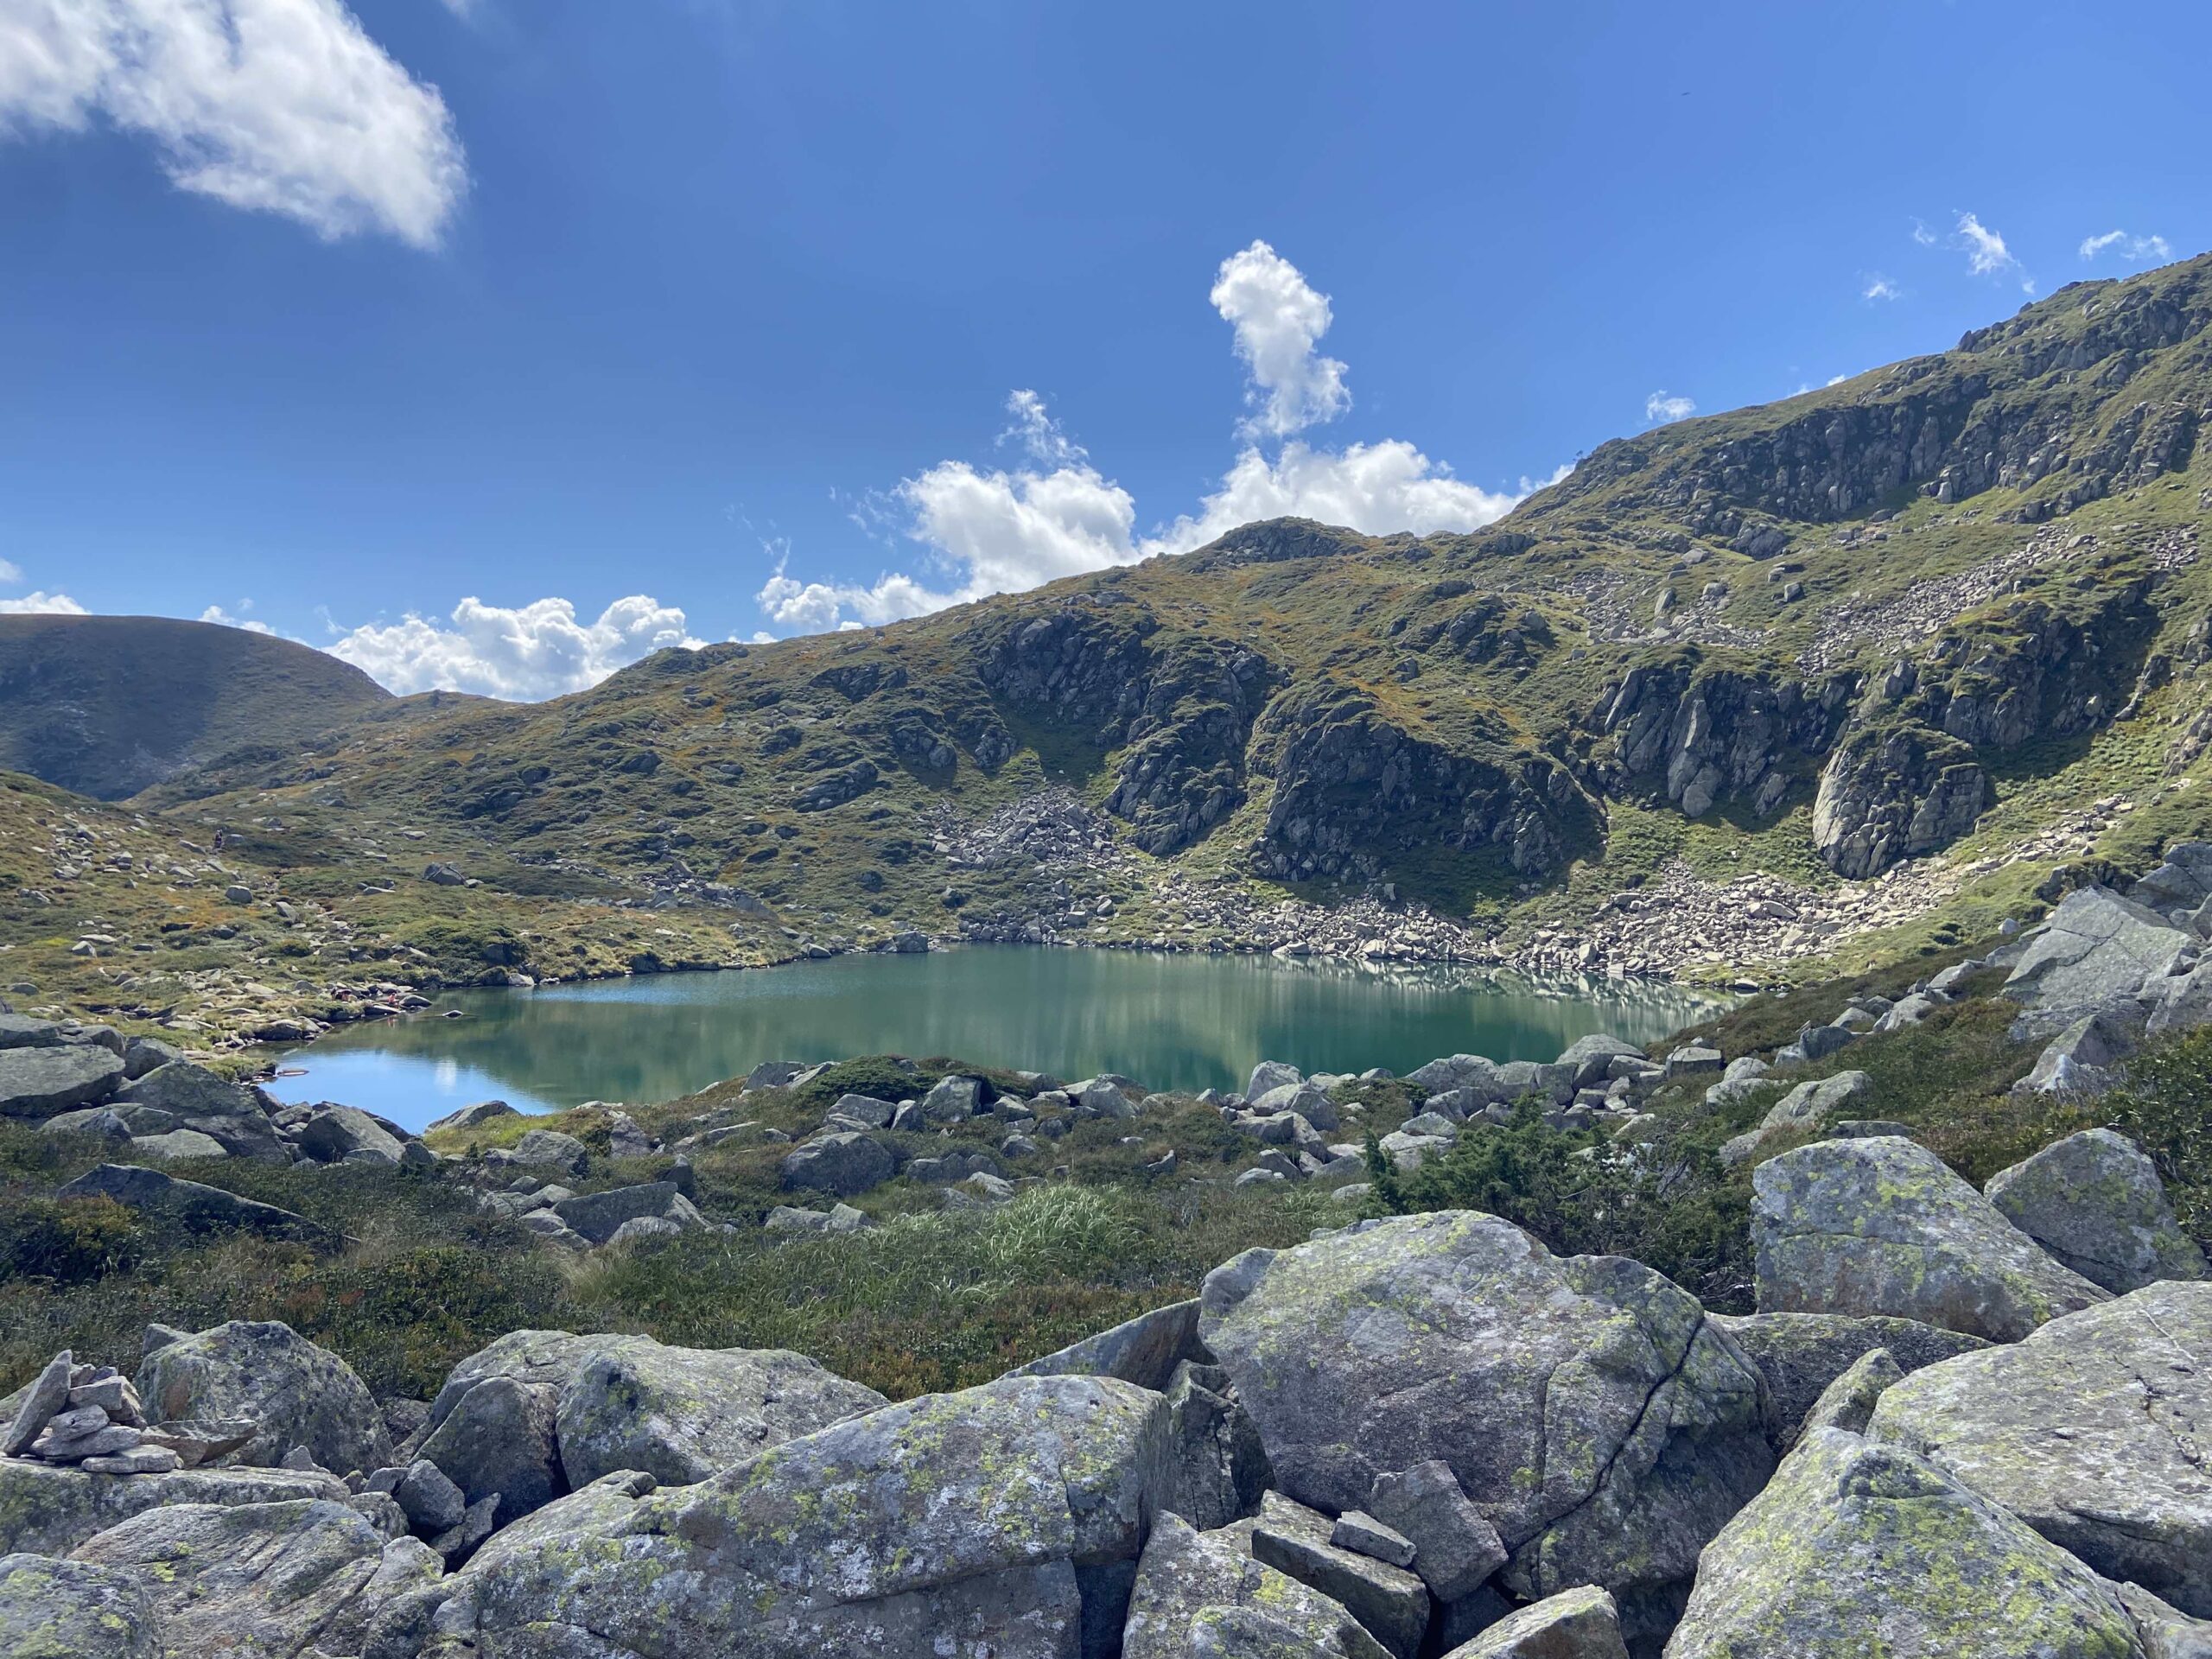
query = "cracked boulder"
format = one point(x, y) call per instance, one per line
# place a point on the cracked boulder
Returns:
point(1591, 1414)
point(1882, 1226)
point(2094, 1201)
point(1006, 1518)
point(2093, 1431)
point(264, 1580)
point(1858, 1549)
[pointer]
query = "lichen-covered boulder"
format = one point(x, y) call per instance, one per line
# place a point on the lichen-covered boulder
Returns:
point(49, 1509)
point(268, 1373)
point(1003, 1518)
point(1198, 1591)
point(1579, 1624)
point(71, 1610)
point(1588, 1409)
point(1857, 1549)
point(264, 1580)
point(2094, 1431)
point(1883, 1226)
point(681, 1414)
point(1801, 1354)
point(2094, 1201)
point(499, 1441)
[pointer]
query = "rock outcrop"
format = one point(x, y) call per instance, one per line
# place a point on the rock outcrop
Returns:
point(2094, 1201)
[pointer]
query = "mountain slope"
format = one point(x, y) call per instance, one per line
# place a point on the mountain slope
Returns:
point(1861, 665)
point(107, 705)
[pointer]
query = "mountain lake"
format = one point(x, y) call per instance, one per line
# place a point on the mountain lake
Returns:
point(1169, 1020)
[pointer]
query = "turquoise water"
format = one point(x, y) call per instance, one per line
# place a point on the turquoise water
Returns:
point(1184, 1021)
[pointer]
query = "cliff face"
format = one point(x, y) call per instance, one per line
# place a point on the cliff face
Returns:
point(1843, 626)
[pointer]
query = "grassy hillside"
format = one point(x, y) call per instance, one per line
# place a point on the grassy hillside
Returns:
point(107, 705)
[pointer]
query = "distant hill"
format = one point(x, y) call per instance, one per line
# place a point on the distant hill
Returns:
point(107, 705)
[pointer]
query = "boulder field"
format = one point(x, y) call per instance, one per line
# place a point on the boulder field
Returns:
point(1426, 1436)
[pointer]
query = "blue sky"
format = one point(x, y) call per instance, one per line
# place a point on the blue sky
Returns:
point(493, 343)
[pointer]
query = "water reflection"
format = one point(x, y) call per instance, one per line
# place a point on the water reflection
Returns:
point(1171, 1021)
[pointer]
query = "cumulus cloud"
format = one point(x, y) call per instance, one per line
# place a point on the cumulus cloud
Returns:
point(523, 653)
point(283, 106)
point(981, 530)
point(9, 572)
point(1879, 287)
point(2135, 249)
point(41, 604)
point(1661, 408)
point(1280, 318)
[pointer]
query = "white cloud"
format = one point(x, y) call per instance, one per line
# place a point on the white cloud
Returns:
point(986, 530)
point(283, 106)
point(1986, 254)
point(1279, 319)
point(1380, 488)
point(1036, 431)
point(2134, 248)
point(41, 604)
point(1661, 409)
point(9, 572)
point(1921, 234)
point(525, 653)
point(1879, 287)
point(222, 618)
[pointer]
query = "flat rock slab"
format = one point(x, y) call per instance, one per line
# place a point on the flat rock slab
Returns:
point(1857, 1549)
point(2094, 1430)
point(47, 1510)
point(40, 1082)
point(1577, 1624)
point(1587, 1408)
point(1882, 1226)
